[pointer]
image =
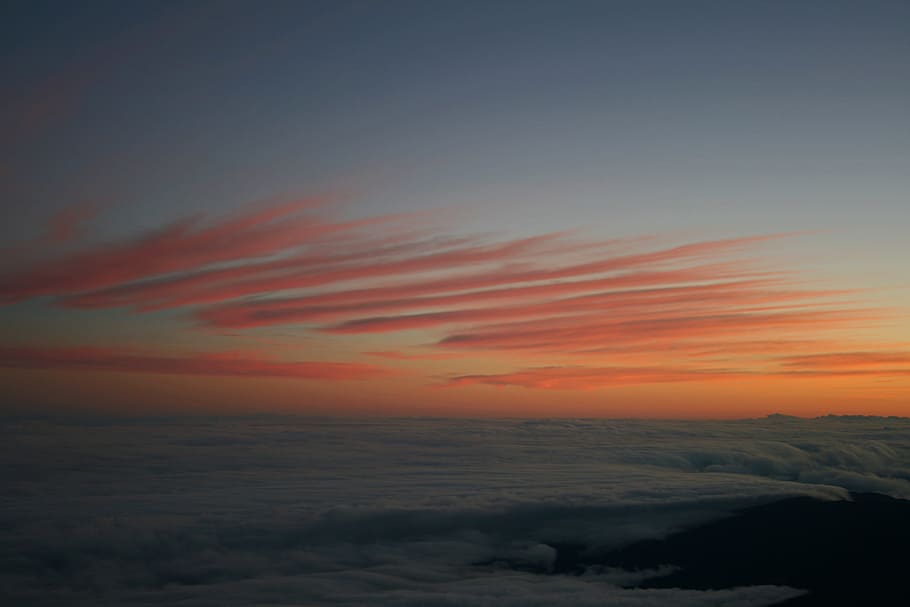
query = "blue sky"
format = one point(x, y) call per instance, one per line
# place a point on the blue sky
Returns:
point(639, 116)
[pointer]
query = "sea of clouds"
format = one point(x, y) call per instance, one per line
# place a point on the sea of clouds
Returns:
point(403, 512)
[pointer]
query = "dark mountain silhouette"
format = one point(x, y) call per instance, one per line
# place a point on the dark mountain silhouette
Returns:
point(842, 552)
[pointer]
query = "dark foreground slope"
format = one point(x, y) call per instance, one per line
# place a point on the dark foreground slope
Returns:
point(843, 552)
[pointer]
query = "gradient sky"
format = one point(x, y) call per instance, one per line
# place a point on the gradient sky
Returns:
point(642, 208)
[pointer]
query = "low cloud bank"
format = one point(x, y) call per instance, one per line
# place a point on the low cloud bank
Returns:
point(295, 511)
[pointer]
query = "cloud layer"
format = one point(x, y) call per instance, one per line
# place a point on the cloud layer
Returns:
point(225, 364)
point(598, 312)
point(307, 511)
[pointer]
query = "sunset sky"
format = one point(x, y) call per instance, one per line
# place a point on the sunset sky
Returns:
point(612, 208)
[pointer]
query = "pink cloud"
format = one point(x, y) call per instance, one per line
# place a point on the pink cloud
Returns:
point(652, 303)
point(845, 365)
point(234, 364)
point(588, 378)
point(185, 246)
point(354, 303)
point(250, 281)
point(396, 355)
point(69, 223)
point(215, 284)
point(850, 360)
point(285, 247)
point(554, 297)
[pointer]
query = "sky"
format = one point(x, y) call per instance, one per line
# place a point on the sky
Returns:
point(618, 209)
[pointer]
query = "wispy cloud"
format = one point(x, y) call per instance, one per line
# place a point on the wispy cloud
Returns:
point(589, 309)
point(633, 310)
point(573, 332)
point(833, 364)
point(830, 360)
point(398, 355)
point(580, 377)
point(426, 294)
point(184, 246)
point(586, 378)
point(70, 222)
point(239, 364)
